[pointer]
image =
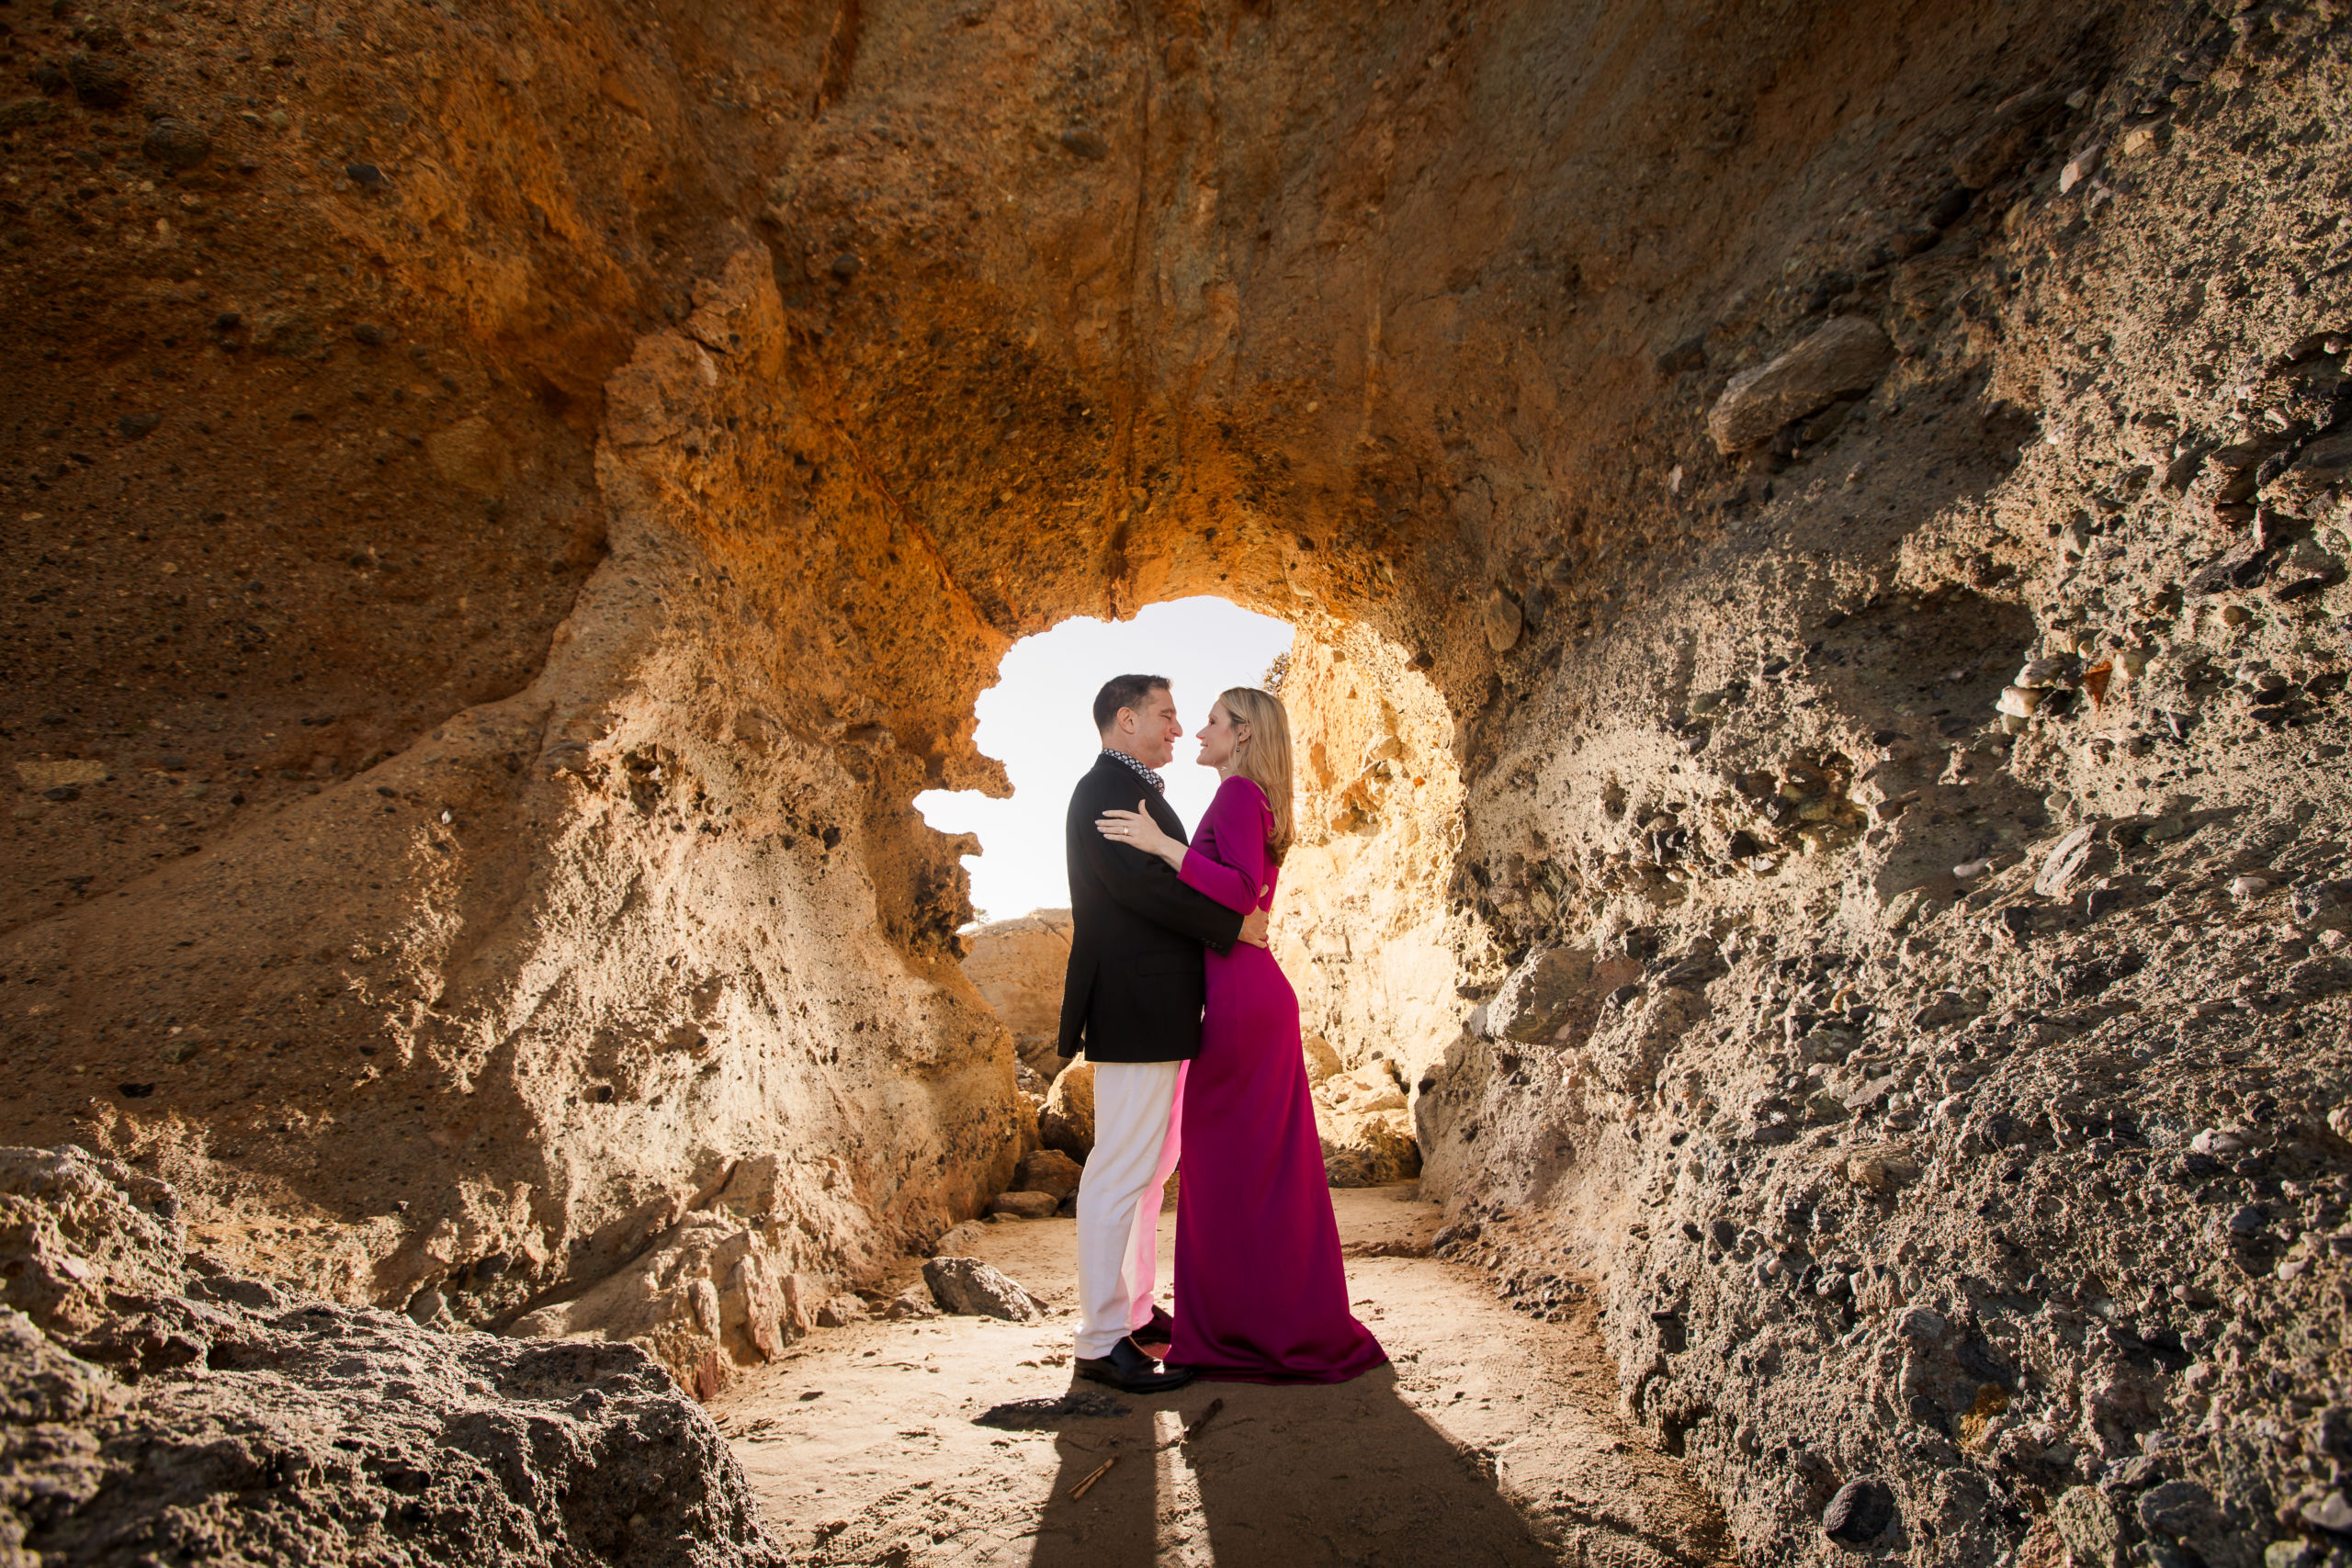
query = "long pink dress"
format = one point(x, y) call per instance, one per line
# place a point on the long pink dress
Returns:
point(1261, 1295)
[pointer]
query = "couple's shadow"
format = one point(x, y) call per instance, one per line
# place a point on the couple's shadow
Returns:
point(1287, 1476)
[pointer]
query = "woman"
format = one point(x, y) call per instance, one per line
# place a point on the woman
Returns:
point(1261, 1295)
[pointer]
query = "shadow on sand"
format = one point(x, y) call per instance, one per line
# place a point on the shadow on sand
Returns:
point(1288, 1477)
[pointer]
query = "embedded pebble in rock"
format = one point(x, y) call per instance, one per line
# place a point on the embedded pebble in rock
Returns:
point(2066, 862)
point(2080, 167)
point(1921, 1324)
point(1845, 355)
point(2088, 1522)
point(2332, 1512)
point(176, 144)
point(1860, 1512)
point(99, 80)
point(1503, 621)
point(2019, 701)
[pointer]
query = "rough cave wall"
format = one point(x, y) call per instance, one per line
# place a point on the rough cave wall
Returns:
point(1923, 908)
point(1369, 935)
point(634, 433)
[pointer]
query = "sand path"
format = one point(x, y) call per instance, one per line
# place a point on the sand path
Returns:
point(1491, 1438)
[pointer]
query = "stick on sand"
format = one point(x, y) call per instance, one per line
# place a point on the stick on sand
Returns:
point(1091, 1477)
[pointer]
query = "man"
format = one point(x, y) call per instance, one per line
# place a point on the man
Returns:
point(1133, 998)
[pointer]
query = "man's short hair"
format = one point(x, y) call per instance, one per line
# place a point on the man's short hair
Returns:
point(1124, 691)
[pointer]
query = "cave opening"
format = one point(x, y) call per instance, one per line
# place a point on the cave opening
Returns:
point(1034, 721)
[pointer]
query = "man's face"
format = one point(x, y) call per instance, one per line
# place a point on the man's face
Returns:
point(1152, 730)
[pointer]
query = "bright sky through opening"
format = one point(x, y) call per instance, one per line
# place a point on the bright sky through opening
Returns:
point(1037, 719)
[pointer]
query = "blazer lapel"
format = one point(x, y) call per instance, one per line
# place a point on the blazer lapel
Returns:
point(1165, 815)
point(1124, 787)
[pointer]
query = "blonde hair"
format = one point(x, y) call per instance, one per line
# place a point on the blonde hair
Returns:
point(1264, 757)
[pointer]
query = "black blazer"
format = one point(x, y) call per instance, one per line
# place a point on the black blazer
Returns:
point(1135, 985)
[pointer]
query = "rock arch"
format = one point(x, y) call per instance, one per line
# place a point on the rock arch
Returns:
point(505, 543)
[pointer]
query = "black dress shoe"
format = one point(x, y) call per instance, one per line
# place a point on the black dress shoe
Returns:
point(1160, 1330)
point(1131, 1372)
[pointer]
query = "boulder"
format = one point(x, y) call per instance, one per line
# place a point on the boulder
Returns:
point(969, 1288)
point(961, 1239)
point(713, 1282)
point(1363, 1090)
point(1367, 1149)
point(908, 1304)
point(1048, 1170)
point(1846, 354)
point(1018, 967)
point(1321, 1060)
point(1025, 1205)
point(1067, 1121)
point(243, 1419)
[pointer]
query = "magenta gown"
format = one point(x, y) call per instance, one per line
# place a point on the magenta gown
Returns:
point(1261, 1295)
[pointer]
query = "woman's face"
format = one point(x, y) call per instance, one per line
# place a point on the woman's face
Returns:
point(1218, 738)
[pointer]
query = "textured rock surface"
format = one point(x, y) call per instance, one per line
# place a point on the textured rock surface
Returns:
point(1018, 967)
point(503, 541)
point(1067, 1121)
point(1843, 357)
point(199, 1416)
point(1020, 1204)
point(974, 1289)
point(1048, 1170)
point(1367, 1132)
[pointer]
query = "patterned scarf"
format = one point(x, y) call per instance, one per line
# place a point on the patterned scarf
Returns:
point(1158, 786)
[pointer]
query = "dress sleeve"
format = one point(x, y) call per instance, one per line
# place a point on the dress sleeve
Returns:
point(1236, 824)
point(1144, 884)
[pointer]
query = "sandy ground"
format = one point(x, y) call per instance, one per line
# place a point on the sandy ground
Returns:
point(1491, 1438)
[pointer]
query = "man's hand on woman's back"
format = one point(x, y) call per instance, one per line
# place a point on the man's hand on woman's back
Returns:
point(1253, 929)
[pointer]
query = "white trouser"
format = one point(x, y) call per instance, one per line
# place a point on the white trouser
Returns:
point(1135, 1144)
